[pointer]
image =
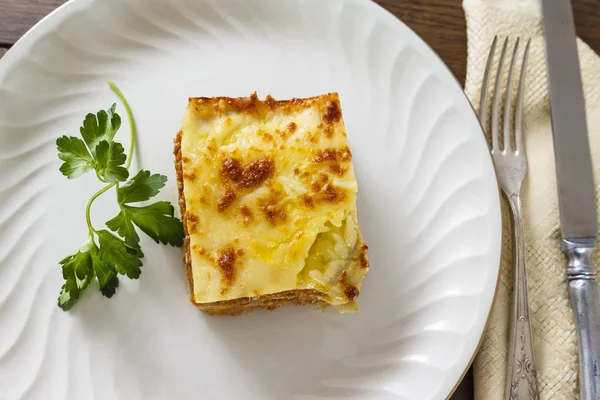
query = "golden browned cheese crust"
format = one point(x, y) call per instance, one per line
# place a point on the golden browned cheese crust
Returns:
point(261, 176)
point(234, 307)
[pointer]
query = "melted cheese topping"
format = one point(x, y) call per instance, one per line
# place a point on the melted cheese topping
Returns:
point(270, 197)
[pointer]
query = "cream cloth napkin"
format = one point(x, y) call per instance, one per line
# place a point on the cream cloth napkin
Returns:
point(553, 325)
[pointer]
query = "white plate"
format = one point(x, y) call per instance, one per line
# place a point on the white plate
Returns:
point(428, 206)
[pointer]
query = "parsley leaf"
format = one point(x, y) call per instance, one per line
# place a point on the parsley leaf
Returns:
point(109, 161)
point(156, 220)
point(124, 227)
point(124, 256)
point(106, 275)
point(102, 126)
point(141, 188)
point(102, 154)
point(77, 159)
point(109, 286)
point(78, 272)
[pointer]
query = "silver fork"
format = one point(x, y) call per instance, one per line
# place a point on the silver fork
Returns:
point(511, 168)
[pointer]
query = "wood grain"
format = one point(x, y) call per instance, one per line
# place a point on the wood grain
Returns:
point(441, 23)
point(587, 22)
point(17, 16)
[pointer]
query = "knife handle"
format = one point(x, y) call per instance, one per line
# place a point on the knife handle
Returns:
point(583, 292)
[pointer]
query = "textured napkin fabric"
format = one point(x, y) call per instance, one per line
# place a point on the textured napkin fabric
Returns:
point(552, 321)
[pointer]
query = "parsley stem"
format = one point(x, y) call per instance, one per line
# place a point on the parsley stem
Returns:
point(129, 157)
point(99, 177)
point(88, 220)
point(121, 97)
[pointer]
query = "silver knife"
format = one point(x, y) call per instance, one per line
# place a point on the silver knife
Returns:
point(575, 185)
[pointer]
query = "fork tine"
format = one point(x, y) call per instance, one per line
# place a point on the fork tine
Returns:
point(519, 112)
point(508, 99)
point(496, 99)
point(485, 84)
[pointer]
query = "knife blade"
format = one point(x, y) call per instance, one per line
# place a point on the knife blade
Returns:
point(575, 182)
point(571, 145)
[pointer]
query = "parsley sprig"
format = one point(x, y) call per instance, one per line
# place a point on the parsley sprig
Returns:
point(104, 256)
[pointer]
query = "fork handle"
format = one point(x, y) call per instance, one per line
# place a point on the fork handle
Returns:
point(521, 380)
point(583, 293)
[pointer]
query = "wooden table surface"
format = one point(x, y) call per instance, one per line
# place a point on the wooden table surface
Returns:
point(440, 23)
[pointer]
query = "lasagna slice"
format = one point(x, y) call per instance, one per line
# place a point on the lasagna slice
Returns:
point(268, 200)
